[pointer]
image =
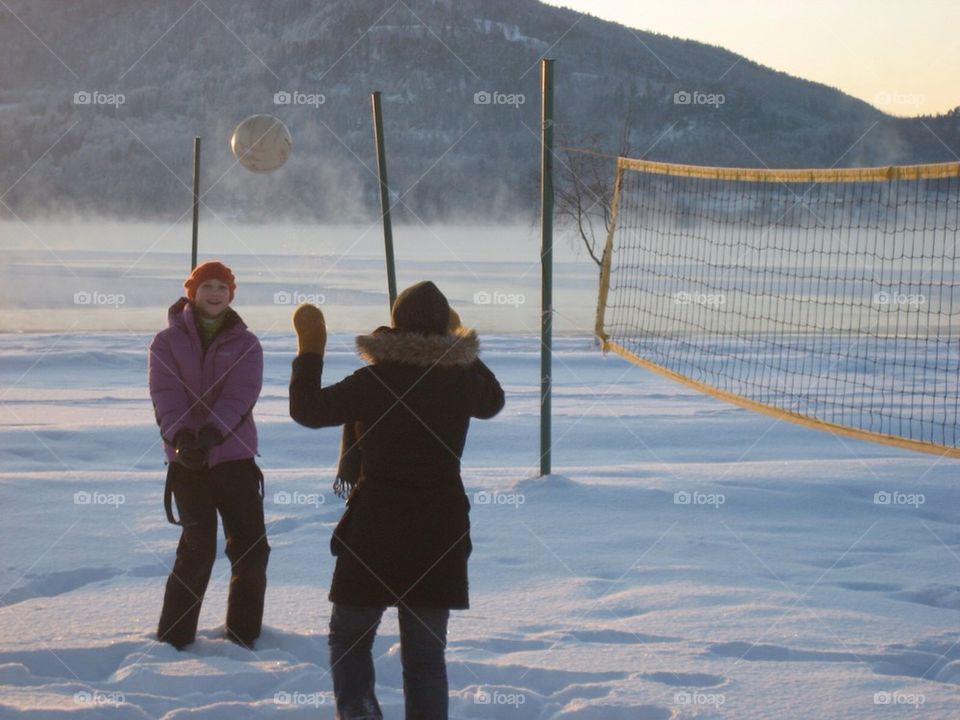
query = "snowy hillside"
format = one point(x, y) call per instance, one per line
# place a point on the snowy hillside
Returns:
point(101, 101)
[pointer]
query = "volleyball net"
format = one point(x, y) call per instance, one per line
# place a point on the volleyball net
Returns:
point(825, 297)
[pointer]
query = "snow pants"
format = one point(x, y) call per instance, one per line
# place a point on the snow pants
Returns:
point(234, 489)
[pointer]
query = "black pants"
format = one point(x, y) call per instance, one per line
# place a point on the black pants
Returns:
point(234, 490)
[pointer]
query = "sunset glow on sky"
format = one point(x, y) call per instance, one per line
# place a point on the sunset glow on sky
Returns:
point(903, 57)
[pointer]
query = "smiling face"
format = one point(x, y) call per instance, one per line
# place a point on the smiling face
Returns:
point(213, 297)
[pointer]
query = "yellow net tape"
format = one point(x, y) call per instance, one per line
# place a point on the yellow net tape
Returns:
point(891, 172)
point(771, 411)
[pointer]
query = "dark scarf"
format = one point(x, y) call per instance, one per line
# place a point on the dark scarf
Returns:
point(350, 466)
point(208, 328)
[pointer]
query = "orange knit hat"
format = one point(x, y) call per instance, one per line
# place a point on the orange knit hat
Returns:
point(212, 270)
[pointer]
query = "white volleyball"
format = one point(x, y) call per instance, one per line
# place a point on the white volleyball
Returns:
point(261, 143)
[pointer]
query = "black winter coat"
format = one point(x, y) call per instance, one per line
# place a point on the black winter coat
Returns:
point(405, 536)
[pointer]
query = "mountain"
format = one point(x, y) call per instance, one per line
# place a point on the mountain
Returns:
point(100, 101)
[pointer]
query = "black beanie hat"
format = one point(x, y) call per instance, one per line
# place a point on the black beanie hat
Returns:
point(422, 308)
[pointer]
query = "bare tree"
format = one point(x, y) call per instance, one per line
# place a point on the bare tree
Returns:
point(584, 192)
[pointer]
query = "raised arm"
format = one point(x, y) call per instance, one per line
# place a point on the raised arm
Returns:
point(315, 406)
point(311, 404)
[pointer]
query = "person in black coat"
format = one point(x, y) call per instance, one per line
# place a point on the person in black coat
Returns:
point(404, 539)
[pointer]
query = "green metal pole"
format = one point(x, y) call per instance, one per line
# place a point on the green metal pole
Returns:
point(384, 196)
point(196, 200)
point(546, 260)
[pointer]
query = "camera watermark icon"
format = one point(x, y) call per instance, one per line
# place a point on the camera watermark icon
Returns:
point(895, 299)
point(82, 497)
point(496, 697)
point(285, 97)
point(915, 700)
point(698, 698)
point(298, 498)
point(98, 698)
point(84, 297)
point(313, 699)
point(499, 98)
point(894, 99)
point(897, 498)
point(95, 97)
point(706, 299)
point(682, 497)
point(484, 497)
point(486, 297)
point(296, 297)
point(695, 97)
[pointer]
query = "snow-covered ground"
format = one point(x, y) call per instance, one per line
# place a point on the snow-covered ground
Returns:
point(687, 559)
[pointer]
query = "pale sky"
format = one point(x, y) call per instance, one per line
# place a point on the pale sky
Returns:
point(903, 56)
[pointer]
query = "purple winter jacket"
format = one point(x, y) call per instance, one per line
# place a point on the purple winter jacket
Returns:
point(191, 388)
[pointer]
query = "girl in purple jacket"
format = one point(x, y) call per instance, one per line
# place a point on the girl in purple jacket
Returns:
point(206, 371)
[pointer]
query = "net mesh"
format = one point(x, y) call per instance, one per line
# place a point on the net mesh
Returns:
point(828, 297)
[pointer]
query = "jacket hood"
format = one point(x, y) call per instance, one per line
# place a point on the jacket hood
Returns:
point(389, 345)
point(175, 311)
point(421, 308)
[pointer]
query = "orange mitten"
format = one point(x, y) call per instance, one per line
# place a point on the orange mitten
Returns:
point(311, 329)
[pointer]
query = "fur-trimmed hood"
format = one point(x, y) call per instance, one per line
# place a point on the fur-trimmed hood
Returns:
point(388, 345)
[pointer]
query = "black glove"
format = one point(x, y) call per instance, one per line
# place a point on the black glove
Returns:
point(209, 436)
point(184, 439)
point(196, 457)
point(189, 453)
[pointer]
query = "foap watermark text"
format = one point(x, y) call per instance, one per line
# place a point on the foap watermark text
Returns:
point(498, 498)
point(914, 700)
point(886, 299)
point(295, 297)
point(708, 299)
point(307, 699)
point(497, 697)
point(685, 697)
point(897, 498)
point(695, 97)
point(95, 97)
point(715, 500)
point(95, 297)
point(83, 497)
point(98, 698)
point(295, 97)
point(298, 498)
point(494, 297)
point(499, 98)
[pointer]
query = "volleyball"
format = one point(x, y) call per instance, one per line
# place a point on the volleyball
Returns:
point(261, 143)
